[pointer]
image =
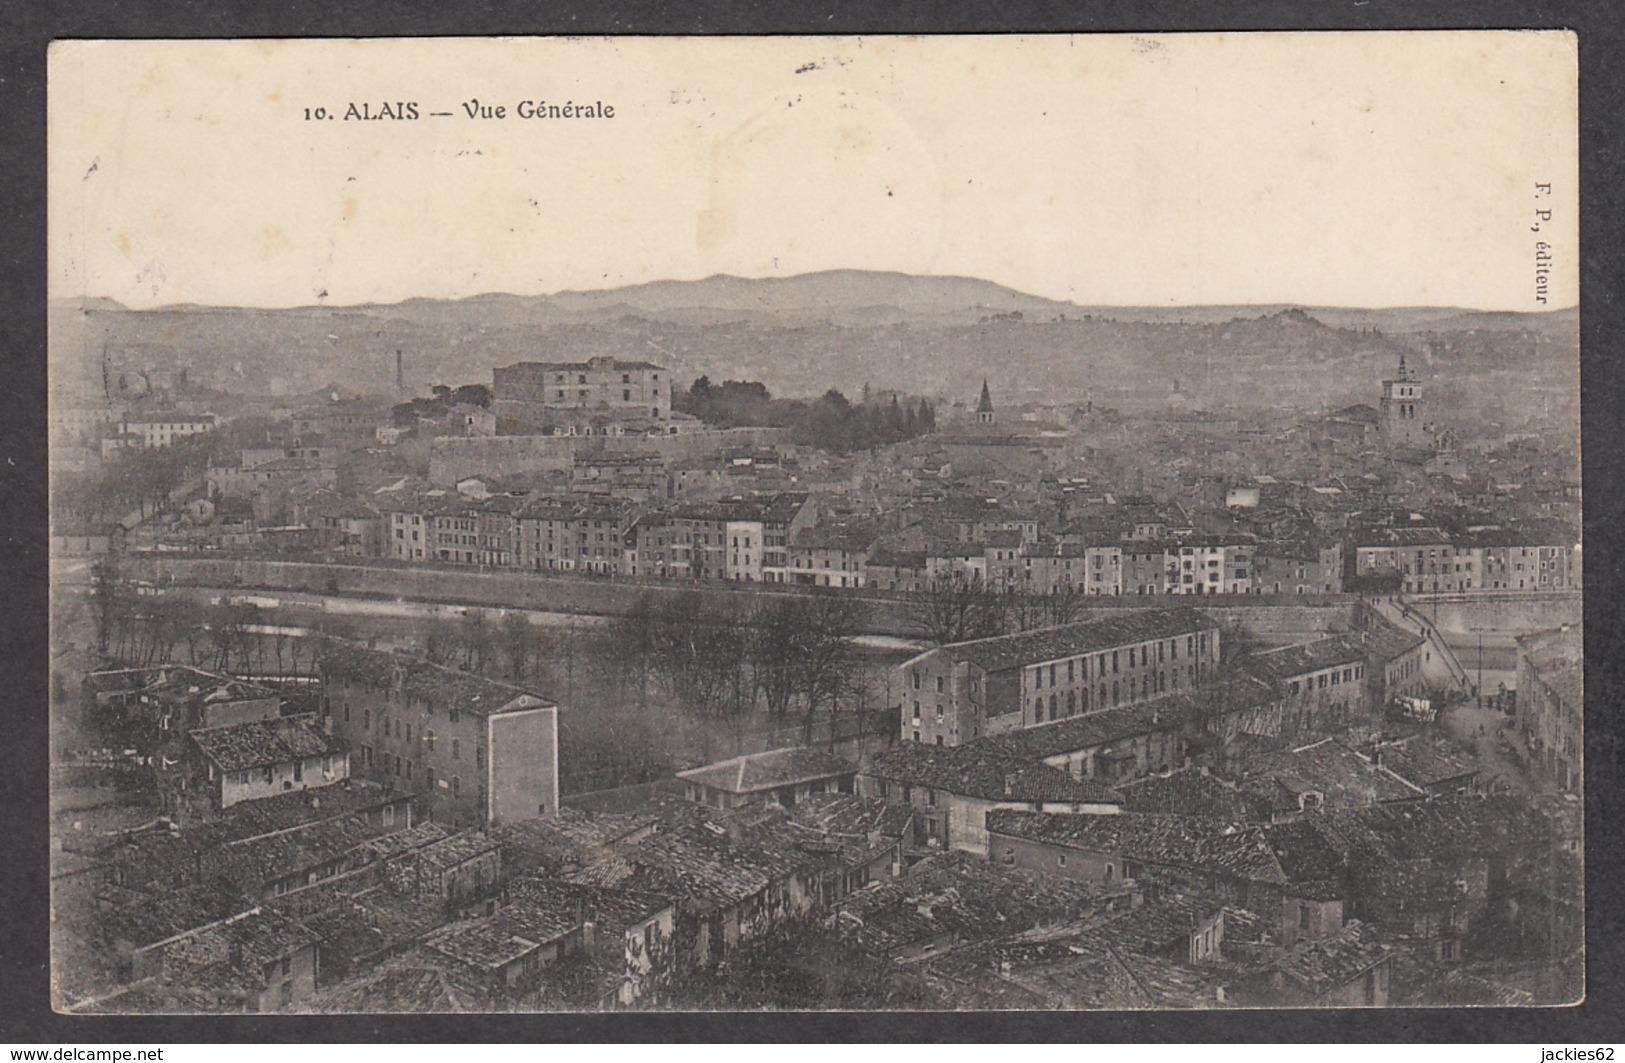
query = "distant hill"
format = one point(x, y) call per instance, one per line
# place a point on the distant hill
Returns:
point(803, 334)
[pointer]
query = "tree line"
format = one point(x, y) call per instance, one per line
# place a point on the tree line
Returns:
point(830, 422)
point(960, 606)
point(141, 480)
point(439, 403)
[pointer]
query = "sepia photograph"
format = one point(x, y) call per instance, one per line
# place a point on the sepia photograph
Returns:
point(848, 523)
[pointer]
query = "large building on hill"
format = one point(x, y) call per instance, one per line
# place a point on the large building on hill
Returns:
point(480, 752)
point(963, 690)
point(543, 396)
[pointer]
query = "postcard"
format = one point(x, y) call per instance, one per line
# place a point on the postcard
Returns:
point(815, 523)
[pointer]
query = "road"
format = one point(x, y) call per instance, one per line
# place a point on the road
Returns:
point(1481, 729)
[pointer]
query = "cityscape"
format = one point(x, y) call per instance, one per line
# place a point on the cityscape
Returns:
point(594, 686)
point(868, 598)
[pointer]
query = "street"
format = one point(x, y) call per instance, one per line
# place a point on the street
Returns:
point(1480, 730)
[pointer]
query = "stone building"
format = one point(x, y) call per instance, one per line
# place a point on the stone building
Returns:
point(481, 752)
point(540, 396)
point(960, 691)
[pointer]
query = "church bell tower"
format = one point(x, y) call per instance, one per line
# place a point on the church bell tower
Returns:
point(1400, 414)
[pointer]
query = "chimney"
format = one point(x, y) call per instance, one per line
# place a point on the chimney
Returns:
point(1009, 784)
point(589, 932)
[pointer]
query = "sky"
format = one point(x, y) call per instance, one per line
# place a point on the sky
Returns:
point(1345, 169)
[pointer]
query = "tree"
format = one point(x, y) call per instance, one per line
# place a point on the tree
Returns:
point(472, 395)
point(441, 640)
point(953, 607)
point(775, 628)
point(1064, 604)
point(476, 632)
point(109, 597)
point(1024, 611)
point(168, 621)
point(824, 651)
point(701, 646)
point(634, 636)
point(518, 643)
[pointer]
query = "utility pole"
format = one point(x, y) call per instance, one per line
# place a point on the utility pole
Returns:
point(1480, 690)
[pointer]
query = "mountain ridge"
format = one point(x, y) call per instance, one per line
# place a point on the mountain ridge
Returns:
point(826, 290)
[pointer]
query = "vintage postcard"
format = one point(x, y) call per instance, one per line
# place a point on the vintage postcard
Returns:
point(1021, 522)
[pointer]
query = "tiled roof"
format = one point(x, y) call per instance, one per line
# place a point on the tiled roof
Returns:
point(1308, 861)
point(849, 814)
point(851, 538)
point(262, 743)
point(566, 840)
point(457, 849)
point(1454, 824)
point(253, 863)
point(1155, 925)
point(1291, 661)
point(414, 985)
point(976, 772)
point(773, 827)
point(492, 943)
point(1425, 763)
point(268, 814)
point(778, 508)
point(176, 682)
point(1314, 968)
point(266, 936)
point(1384, 640)
point(1458, 987)
point(755, 772)
point(1190, 792)
point(168, 912)
point(701, 873)
point(1092, 729)
point(405, 841)
point(1181, 841)
point(613, 910)
point(1343, 777)
point(1069, 640)
point(958, 897)
point(444, 688)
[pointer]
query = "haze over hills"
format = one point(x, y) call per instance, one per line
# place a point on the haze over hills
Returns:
point(805, 333)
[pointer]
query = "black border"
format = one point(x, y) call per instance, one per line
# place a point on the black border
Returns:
point(25, 1014)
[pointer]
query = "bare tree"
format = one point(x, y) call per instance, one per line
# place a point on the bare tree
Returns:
point(634, 636)
point(110, 600)
point(296, 650)
point(1024, 611)
point(1064, 604)
point(517, 643)
point(476, 640)
point(775, 629)
point(953, 607)
point(701, 645)
point(824, 651)
point(441, 640)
